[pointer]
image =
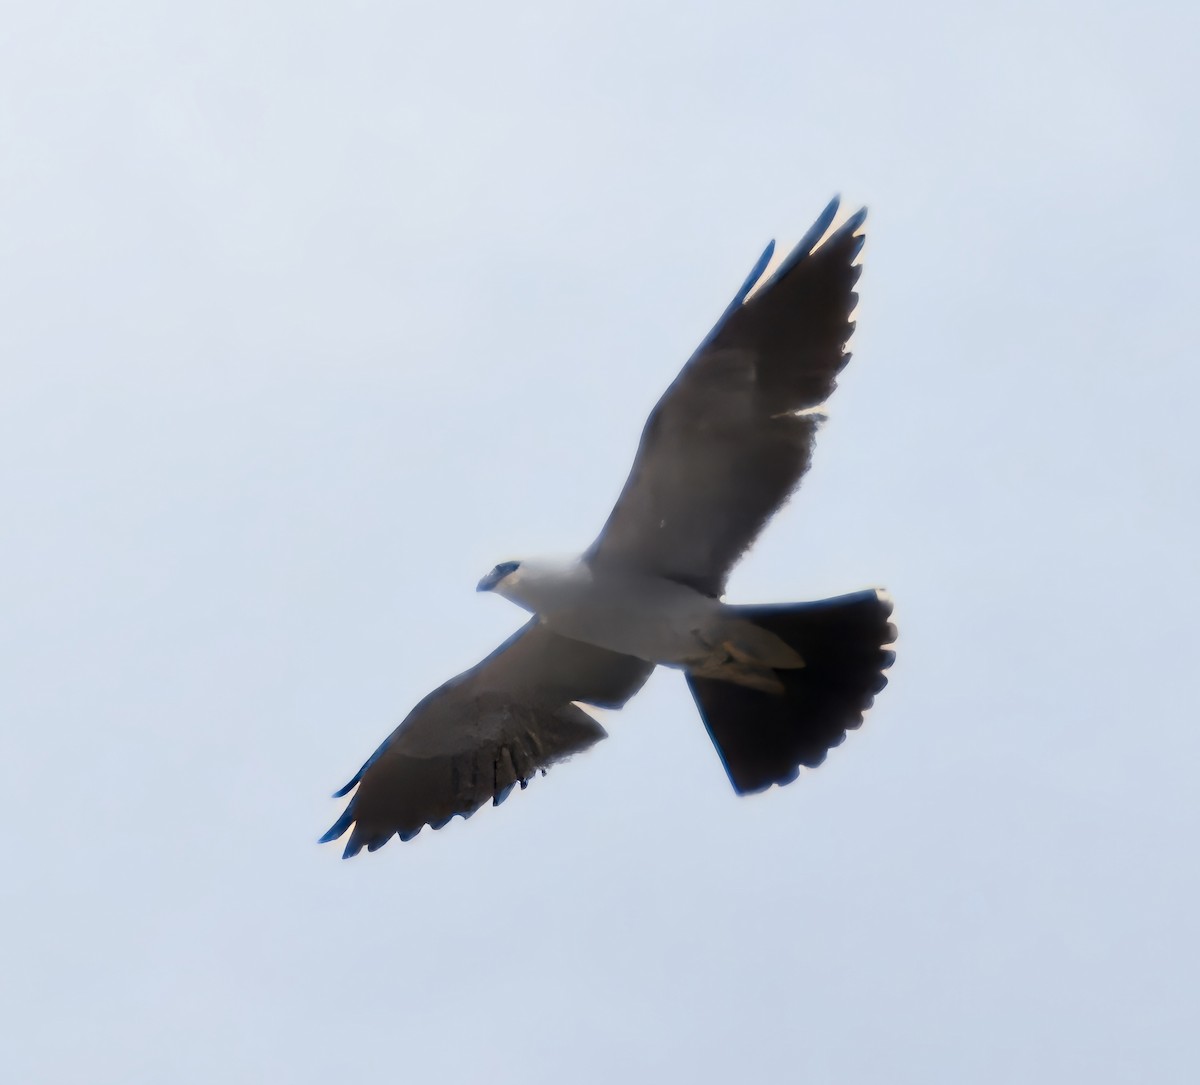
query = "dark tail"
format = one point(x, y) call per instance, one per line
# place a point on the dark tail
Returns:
point(764, 738)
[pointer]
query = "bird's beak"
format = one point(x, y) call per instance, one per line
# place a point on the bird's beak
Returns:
point(487, 583)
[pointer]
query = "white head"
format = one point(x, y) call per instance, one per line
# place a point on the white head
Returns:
point(499, 575)
point(530, 584)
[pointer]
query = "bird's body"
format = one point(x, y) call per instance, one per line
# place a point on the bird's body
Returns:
point(777, 686)
point(650, 618)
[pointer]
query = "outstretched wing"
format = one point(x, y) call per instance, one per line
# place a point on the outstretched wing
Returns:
point(730, 438)
point(479, 735)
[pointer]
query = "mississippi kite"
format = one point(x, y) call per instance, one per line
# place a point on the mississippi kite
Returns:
point(777, 686)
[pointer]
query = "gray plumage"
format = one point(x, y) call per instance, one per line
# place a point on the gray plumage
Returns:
point(725, 446)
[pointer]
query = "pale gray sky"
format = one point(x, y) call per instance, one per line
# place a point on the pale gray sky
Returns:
point(309, 314)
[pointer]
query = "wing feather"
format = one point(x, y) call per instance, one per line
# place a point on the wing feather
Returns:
point(481, 734)
point(726, 446)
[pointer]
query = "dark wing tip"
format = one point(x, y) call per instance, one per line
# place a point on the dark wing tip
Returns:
point(503, 794)
point(751, 281)
point(855, 221)
point(756, 272)
point(342, 792)
point(806, 245)
point(339, 827)
point(824, 219)
point(848, 235)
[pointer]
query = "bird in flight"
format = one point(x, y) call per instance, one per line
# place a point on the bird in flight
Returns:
point(777, 686)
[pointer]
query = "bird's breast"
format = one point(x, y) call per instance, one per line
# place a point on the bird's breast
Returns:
point(647, 617)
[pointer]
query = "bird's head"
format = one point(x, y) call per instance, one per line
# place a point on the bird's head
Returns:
point(498, 576)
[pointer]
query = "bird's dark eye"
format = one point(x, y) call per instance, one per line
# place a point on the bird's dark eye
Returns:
point(506, 567)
